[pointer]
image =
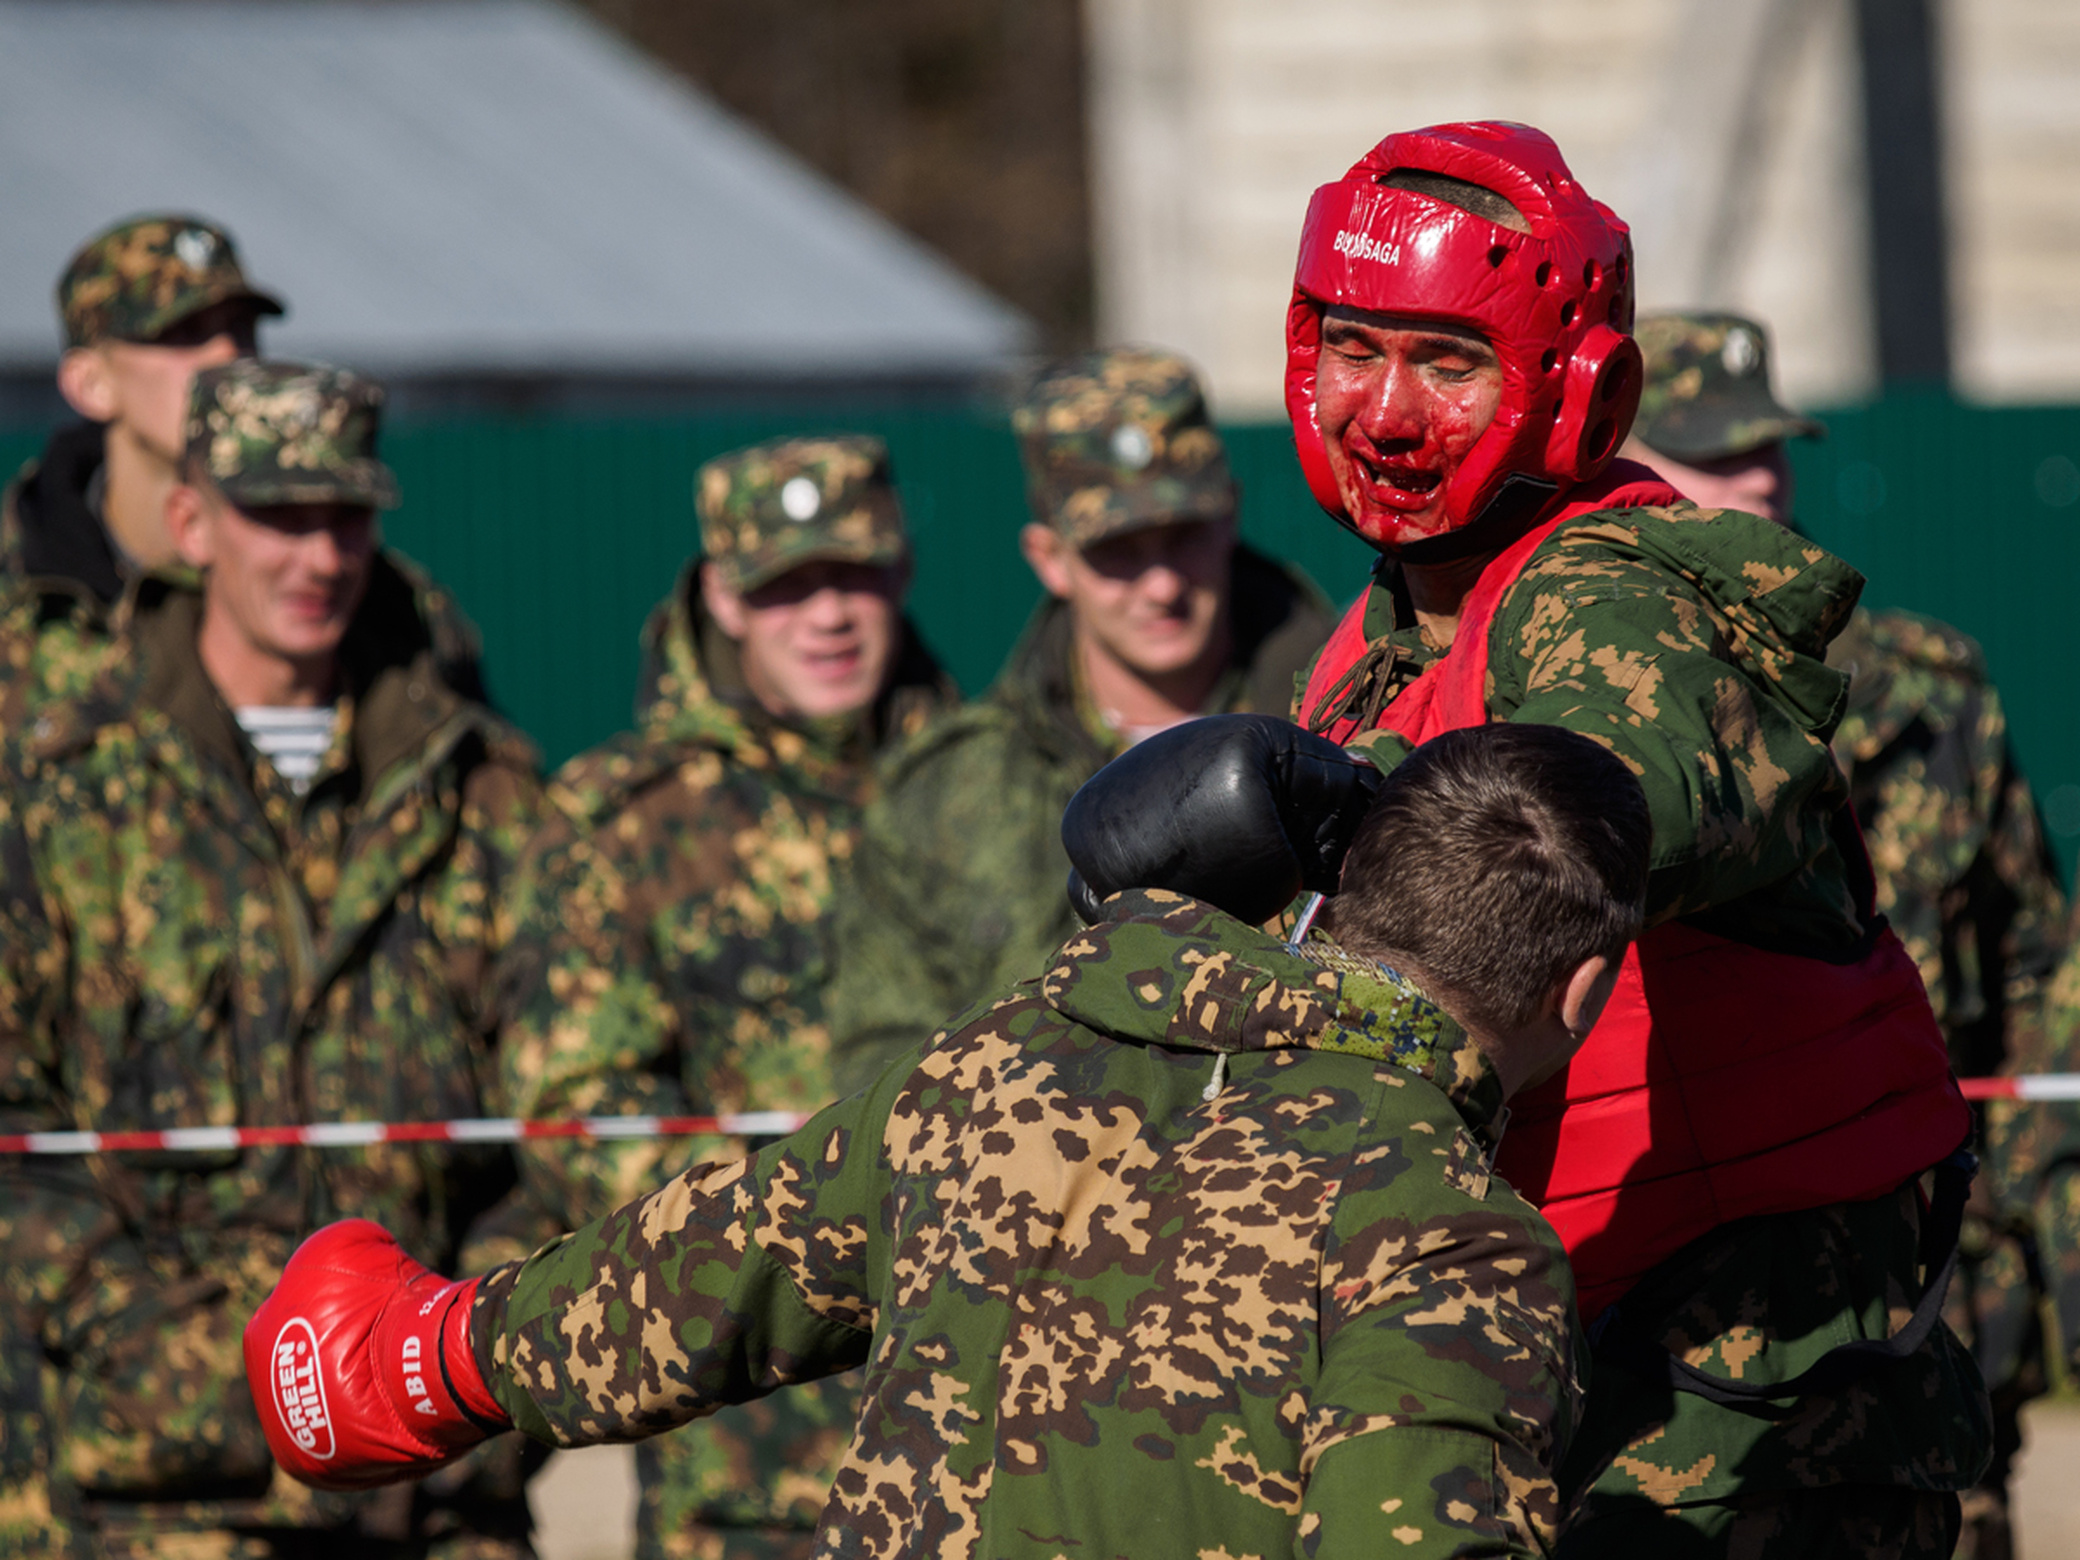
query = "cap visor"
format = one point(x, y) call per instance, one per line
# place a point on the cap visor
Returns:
point(820, 552)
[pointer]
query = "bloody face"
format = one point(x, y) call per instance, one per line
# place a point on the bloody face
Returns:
point(1400, 400)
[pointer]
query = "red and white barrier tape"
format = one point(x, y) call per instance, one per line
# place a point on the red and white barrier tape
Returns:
point(509, 1129)
point(363, 1134)
point(2029, 1086)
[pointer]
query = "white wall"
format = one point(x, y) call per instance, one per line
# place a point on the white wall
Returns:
point(1726, 131)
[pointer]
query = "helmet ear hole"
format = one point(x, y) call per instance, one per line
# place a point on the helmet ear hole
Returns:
point(1597, 403)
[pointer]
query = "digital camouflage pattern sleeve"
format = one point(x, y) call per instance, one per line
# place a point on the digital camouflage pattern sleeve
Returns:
point(1298, 1316)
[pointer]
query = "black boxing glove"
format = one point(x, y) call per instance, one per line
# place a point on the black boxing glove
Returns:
point(1242, 811)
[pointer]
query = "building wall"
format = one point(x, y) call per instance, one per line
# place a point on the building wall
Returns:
point(1726, 131)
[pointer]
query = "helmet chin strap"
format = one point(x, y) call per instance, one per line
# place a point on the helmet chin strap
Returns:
point(1518, 501)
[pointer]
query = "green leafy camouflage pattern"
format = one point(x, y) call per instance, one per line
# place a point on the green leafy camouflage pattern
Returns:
point(1707, 390)
point(145, 274)
point(1691, 643)
point(775, 506)
point(1119, 440)
point(186, 941)
point(670, 952)
point(1967, 880)
point(1188, 1246)
point(289, 433)
point(1761, 1301)
point(958, 885)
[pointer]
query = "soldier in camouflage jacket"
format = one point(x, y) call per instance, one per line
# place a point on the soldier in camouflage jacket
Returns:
point(671, 941)
point(143, 306)
point(188, 939)
point(1963, 871)
point(1188, 1245)
point(956, 886)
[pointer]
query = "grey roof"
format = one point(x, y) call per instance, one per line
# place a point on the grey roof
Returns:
point(457, 186)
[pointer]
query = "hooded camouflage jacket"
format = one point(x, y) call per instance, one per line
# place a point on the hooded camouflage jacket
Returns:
point(958, 883)
point(1187, 1246)
point(670, 935)
point(1692, 643)
point(186, 942)
point(670, 954)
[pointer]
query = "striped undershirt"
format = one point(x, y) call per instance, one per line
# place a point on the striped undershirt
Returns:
point(293, 737)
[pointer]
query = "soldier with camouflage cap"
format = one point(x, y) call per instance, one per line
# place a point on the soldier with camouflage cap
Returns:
point(249, 876)
point(1155, 613)
point(1708, 420)
point(1963, 870)
point(672, 937)
point(143, 306)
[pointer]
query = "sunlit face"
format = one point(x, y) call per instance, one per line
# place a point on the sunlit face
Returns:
point(144, 384)
point(283, 579)
point(1400, 401)
point(1758, 481)
point(818, 641)
point(1154, 600)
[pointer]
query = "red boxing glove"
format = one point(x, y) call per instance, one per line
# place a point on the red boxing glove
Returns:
point(360, 1363)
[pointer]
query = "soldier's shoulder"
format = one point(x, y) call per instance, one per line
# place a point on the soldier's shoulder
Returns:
point(1738, 561)
point(1911, 639)
point(954, 748)
point(649, 772)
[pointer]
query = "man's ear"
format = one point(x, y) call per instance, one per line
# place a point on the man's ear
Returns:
point(187, 525)
point(1047, 555)
point(1579, 999)
point(87, 385)
point(724, 605)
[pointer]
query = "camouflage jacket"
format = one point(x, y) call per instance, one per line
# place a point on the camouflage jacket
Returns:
point(1966, 879)
point(957, 887)
point(1692, 643)
point(1187, 1246)
point(670, 940)
point(60, 578)
point(1963, 870)
point(186, 942)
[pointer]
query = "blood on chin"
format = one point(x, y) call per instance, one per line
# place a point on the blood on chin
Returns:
point(1391, 528)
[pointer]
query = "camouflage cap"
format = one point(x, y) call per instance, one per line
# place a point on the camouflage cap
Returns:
point(289, 433)
point(787, 502)
point(1118, 441)
point(144, 275)
point(1707, 393)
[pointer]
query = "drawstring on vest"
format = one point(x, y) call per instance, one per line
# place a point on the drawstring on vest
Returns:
point(1369, 678)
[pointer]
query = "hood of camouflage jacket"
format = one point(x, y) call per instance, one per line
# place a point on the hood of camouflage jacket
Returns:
point(1279, 617)
point(1784, 597)
point(1173, 971)
point(691, 690)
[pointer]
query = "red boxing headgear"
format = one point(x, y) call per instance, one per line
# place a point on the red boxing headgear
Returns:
point(1555, 303)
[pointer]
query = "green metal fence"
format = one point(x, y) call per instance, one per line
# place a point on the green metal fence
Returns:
point(558, 536)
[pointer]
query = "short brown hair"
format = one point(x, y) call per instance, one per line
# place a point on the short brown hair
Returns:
point(1493, 862)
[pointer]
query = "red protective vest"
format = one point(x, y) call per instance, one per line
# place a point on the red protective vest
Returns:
point(1722, 1081)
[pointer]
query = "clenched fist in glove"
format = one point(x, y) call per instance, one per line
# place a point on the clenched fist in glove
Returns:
point(1242, 811)
point(360, 1363)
